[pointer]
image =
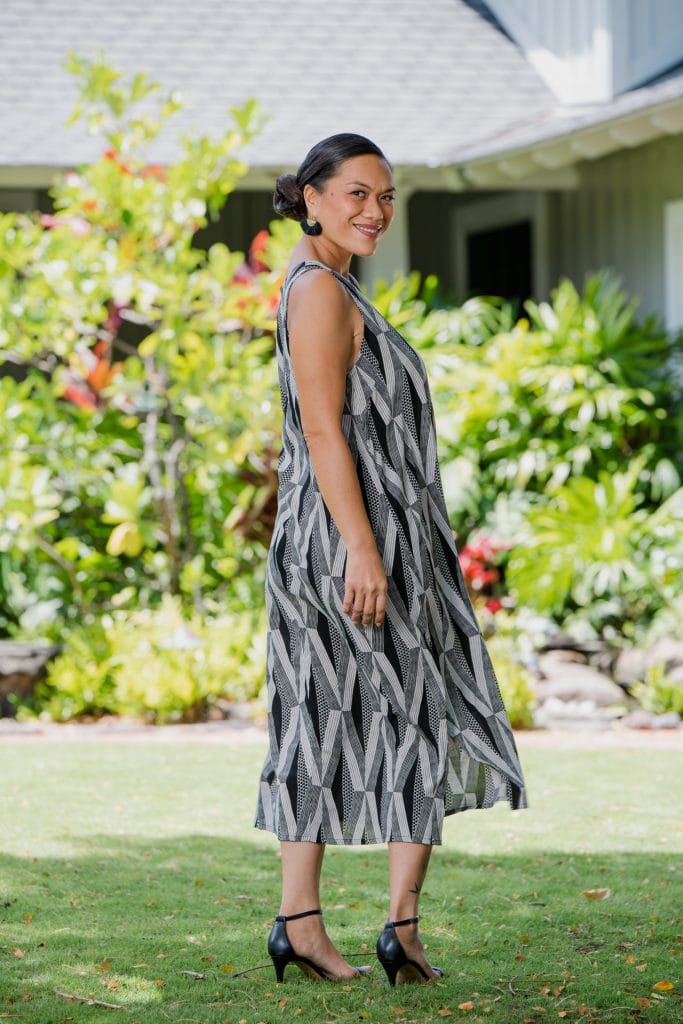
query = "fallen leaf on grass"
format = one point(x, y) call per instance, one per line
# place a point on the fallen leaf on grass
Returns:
point(28, 917)
point(663, 986)
point(226, 968)
point(19, 953)
point(194, 974)
point(469, 1005)
point(597, 894)
point(445, 1012)
point(642, 1001)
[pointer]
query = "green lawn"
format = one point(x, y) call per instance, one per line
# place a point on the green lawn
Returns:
point(124, 864)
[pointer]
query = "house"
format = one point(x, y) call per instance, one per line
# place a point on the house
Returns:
point(531, 139)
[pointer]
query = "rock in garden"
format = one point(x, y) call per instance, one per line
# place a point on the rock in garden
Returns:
point(638, 719)
point(630, 666)
point(633, 662)
point(669, 720)
point(553, 713)
point(666, 651)
point(571, 681)
point(22, 665)
point(676, 675)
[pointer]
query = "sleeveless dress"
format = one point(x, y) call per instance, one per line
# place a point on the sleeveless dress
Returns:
point(375, 732)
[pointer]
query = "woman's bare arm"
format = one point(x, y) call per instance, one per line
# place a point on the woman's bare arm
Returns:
point(321, 319)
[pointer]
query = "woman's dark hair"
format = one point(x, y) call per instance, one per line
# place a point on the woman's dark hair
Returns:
point(321, 162)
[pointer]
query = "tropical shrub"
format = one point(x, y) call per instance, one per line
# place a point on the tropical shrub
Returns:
point(590, 552)
point(160, 664)
point(577, 388)
point(658, 693)
point(141, 443)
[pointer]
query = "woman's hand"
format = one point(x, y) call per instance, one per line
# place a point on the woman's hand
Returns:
point(365, 595)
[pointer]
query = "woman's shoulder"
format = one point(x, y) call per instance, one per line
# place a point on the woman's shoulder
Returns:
point(314, 284)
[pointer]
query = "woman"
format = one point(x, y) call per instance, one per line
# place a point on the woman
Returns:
point(384, 710)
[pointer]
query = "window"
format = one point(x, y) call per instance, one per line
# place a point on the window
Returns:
point(499, 261)
point(501, 246)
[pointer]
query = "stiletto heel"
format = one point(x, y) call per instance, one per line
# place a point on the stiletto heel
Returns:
point(279, 963)
point(394, 960)
point(282, 952)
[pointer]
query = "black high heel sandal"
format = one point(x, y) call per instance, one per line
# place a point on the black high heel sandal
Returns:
point(282, 952)
point(394, 960)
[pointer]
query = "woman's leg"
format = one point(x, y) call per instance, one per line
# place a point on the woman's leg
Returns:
point(408, 863)
point(301, 867)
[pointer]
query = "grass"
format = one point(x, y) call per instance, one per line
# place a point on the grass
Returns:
point(124, 865)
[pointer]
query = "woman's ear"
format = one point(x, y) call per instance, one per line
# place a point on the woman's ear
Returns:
point(311, 196)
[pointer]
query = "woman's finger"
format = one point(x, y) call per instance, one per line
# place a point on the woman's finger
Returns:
point(369, 608)
point(349, 597)
point(358, 606)
point(380, 608)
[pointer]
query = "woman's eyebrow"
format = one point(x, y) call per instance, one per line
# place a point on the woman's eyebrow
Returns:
point(391, 188)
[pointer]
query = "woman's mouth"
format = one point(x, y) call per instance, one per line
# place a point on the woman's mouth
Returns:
point(369, 230)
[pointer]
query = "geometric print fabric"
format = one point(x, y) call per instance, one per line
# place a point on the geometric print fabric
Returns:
point(376, 733)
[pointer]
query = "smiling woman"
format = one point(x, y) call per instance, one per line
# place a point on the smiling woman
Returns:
point(384, 710)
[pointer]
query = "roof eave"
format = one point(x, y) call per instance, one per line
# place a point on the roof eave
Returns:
point(553, 160)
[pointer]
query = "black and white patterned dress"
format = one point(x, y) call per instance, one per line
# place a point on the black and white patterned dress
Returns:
point(375, 732)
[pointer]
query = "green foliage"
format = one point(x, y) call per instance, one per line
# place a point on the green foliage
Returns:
point(515, 682)
point(578, 388)
point(562, 434)
point(142, 442)
point(141, 433)
point(591, 547)
point(657, 693)
point(157, 664)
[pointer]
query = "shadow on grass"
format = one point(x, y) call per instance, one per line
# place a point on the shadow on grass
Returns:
point(122, 919)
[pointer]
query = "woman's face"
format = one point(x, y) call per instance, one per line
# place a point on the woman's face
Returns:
point(355, 207)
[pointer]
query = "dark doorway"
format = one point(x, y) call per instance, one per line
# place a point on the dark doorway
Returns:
point(499, 262)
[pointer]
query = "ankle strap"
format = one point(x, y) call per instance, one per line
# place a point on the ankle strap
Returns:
point(293, 917)
point(397, 924)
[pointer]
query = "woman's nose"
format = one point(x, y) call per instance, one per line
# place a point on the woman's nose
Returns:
point(373, 209)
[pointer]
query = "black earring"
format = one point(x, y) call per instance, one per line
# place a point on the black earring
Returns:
point(311, 227)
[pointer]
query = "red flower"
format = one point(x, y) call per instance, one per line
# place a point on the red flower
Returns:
point(153, 171)
point(256, 250)
point(493, 605)
point(80, 396)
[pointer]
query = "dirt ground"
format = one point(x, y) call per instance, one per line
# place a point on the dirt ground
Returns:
point(242, 730)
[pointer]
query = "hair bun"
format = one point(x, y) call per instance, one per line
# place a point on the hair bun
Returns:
point(288, 198)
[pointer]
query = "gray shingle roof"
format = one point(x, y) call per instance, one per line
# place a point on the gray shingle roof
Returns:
point(423, 78)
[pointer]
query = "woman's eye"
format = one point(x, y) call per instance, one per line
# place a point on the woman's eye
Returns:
point(388, 198)
point(358, 192)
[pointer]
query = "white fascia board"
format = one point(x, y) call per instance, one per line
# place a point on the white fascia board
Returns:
point(509, 167)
